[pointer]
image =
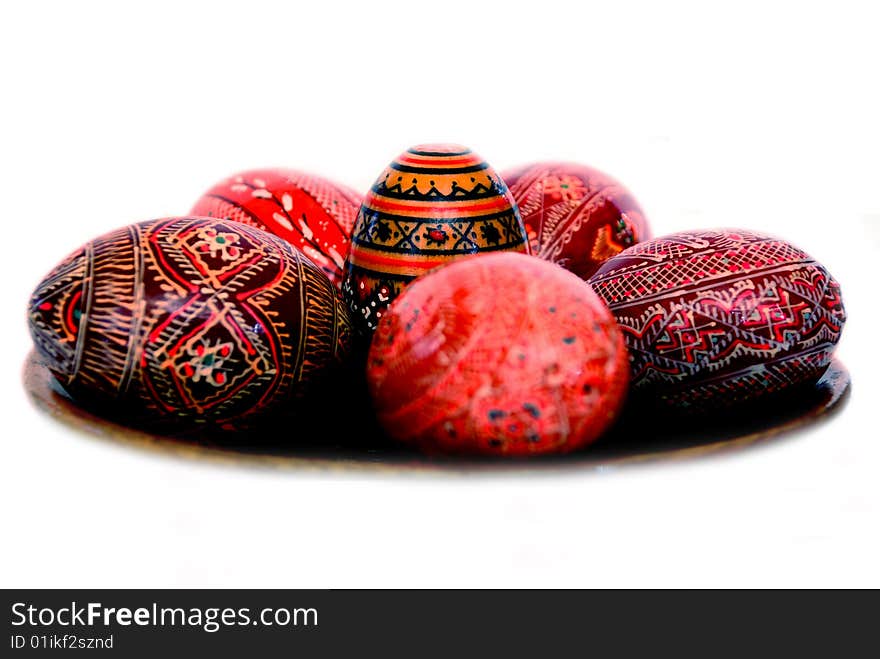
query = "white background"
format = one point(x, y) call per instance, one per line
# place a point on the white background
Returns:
point(756, 115)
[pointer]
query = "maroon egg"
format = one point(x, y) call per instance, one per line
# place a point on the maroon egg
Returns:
point(189, 320)
point(713, 318)
point(575, 216)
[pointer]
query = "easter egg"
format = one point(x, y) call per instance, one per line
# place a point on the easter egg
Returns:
point(433, 204)
point(575, 215)
point(189, 320)
point(311, 213)
point(713, 318)
point(504, 354)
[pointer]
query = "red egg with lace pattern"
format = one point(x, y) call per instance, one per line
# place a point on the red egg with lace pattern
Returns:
point(716, 318)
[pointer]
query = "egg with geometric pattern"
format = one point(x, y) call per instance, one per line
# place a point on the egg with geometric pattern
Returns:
point(189, 320)
point(575, 216)
point(714, 318)
point(433, 204)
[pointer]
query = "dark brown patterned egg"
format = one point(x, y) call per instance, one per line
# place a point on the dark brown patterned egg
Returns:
point(713, 318)
point(189, 320)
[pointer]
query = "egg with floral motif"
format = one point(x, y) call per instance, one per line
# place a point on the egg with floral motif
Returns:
point(312, 213)
point(189, 320)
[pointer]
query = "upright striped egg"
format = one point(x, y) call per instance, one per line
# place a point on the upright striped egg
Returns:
point(432, 204)
point(189, 320)
point(312, 213)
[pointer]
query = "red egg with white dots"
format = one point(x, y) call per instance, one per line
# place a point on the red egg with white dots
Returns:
point(310, 212)
point(502, 354)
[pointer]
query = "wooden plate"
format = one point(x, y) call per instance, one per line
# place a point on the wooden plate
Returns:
point(637, 438)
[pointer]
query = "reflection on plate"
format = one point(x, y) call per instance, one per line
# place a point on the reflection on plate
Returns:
point(637, 438)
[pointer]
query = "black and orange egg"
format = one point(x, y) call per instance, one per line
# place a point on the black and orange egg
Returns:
point(434, 203)
point(193, 320)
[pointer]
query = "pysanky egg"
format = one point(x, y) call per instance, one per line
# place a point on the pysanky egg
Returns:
point(433, 204)
point(575, 215)
point(501, 354)
point(311, 213)
point(189, 319)
point(712, 318)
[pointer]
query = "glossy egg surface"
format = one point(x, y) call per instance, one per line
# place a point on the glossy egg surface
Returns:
point(433, 204)
point(193, 320)
point(712, 318)
point(575, 216)
point(312, 213)
point(503, 354)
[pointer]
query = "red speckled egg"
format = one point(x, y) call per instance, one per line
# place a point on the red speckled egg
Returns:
point(575, 215)
point(712, 318)
point(311, 213)
point(189, 320)
point(500, 354)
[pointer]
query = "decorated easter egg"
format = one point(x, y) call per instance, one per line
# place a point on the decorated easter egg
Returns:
point(501, 354)
point(433, 204)
point(311, 213)
point(575, 215)
point(190, 320)
point(712, 318)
